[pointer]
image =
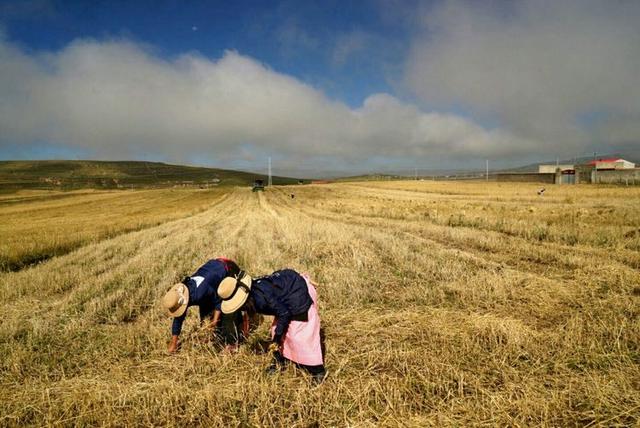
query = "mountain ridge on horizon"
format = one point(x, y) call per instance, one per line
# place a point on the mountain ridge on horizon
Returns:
point(71, 174)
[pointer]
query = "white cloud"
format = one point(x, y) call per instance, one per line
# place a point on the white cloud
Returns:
point(118, 99)
point(539, 67)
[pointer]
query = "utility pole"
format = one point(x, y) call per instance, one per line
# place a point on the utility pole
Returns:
point(595, 168)
point(416, 173)
point(487, 174)
point(269, 182)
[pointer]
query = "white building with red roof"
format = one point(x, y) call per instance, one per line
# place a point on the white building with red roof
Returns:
point(612, 163)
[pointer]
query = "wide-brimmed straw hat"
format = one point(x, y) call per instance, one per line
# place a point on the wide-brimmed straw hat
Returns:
point(234, 290)
point(176, 300)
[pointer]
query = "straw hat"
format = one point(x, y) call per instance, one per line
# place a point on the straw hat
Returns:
point(176, 300)
point(234, 292)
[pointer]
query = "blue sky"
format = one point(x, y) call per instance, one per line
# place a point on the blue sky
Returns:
point(301, 38)
point(331, 86)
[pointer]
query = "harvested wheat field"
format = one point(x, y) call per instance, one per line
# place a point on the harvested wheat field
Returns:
point(37, 225)
point(443, 304)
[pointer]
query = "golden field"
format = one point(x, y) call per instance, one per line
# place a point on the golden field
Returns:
point(443, 304)
point(37, 225)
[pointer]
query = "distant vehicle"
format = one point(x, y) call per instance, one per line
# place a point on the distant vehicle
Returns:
point(258, 185)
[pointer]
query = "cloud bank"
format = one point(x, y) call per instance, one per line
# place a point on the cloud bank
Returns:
point(118, 99)
point(564, 73)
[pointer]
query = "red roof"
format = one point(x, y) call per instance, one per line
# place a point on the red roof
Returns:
point(605, 160)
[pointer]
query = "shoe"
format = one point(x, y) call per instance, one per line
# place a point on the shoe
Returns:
point(318, 378)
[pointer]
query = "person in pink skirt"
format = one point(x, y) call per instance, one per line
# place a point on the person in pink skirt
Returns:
point(292, 299)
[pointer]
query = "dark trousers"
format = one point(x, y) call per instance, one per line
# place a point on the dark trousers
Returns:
point(229, 328)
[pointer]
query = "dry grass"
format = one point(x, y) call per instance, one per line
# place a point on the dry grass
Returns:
point(443, 304)
point(37, 225)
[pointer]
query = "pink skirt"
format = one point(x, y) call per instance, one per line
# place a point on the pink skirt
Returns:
point(302, 342)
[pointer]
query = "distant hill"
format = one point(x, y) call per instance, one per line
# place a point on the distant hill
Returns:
point(73, 174)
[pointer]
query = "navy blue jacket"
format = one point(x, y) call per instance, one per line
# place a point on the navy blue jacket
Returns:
point(203, 289)
point(283, 294)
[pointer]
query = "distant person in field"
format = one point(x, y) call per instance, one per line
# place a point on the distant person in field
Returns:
point(292, 299)
point(200, 289)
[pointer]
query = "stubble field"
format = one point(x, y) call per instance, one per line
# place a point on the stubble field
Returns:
point(442, 304)
point(37, 225)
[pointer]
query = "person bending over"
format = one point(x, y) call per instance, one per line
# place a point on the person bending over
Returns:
point(292, 299)
point(200, 289)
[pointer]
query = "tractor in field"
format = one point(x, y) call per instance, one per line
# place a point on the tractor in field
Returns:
point(258, 186)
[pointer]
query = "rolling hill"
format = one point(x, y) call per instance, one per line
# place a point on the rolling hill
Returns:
point(74, 174)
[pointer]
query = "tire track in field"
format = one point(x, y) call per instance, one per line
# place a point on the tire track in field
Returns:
point(275, 220)
point(264, 204)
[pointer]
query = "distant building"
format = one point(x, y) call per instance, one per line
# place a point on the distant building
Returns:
point(551, 169)
point(612, 164)
point(564, 174)
point(608, 171)
point(584, 174)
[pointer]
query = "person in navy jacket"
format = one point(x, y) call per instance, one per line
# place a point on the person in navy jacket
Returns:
point(292, 299)
point(200, 289)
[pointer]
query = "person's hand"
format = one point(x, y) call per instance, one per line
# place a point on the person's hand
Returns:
point(174, 345)
point(245, 324)
point(215, 317)
point(207, 332)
